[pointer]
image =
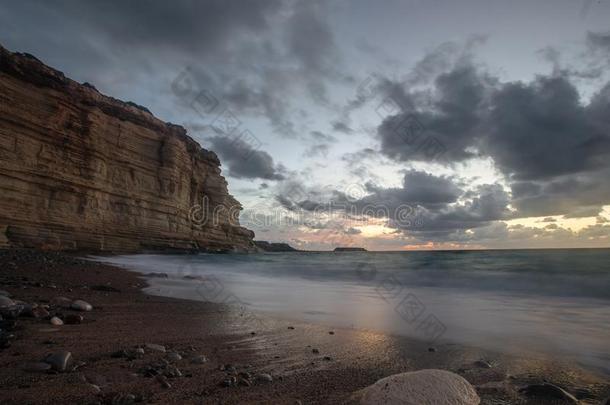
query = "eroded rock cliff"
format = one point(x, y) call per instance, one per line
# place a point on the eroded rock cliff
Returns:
point(83, 171)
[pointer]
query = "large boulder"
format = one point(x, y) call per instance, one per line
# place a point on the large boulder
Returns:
point(424, 387)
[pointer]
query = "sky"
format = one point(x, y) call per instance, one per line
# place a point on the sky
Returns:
point(390, 125)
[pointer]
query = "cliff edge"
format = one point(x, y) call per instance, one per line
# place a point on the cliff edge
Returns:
point(83, 171)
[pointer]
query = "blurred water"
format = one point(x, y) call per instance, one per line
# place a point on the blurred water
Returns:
point(551, 301)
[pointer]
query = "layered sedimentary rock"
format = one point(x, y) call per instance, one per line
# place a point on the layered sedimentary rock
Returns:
point(83, 171)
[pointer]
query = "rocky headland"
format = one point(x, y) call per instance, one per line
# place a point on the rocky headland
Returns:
point(81, 171)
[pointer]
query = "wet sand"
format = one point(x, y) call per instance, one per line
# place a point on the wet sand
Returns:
point(344, 361)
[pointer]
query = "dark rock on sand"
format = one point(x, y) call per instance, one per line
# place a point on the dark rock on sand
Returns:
point(6, 302)
point(548, 390)
point(105, 288)
point(264, 378)
point(173, 356)
point(199, 359)
point(59, 361)
point(73, 319)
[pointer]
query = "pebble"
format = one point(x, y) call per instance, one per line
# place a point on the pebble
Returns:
point(331, 333)
point(264, 378)
point(155, 347)
point(315, 351)
point(291, 327)
point(432, 349)
point(40, 312)
point(548, 390)
point(38, 366)
point(328, 358)
point(56, 321)
point(173, 356)
point(6, 302)
point(95, 388)
point(73, 319)
point(81, 305)
point(163, 381)
point(59, 361)
point(199, 359)
point(229, 382)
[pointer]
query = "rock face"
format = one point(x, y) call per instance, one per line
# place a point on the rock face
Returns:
point(424, 387)
point(83, 171)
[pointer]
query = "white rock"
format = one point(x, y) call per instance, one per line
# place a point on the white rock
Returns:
point(81, 305)
point(424, 387)
point(56, 321)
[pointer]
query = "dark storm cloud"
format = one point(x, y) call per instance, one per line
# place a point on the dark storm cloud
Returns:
point(453, 118)
point(599, 41)
point(192, 26)
point(243, 161)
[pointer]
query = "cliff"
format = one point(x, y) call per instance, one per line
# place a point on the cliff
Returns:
point(83, 171)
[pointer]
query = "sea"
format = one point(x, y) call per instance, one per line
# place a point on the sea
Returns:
point(554, 302)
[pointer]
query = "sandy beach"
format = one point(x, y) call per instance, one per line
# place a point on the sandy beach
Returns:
point(271, 360)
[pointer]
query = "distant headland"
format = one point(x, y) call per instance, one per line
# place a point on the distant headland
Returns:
point(349, 249)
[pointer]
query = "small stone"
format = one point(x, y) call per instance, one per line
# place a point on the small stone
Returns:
point(199, 359)
point(163, 381)
point(6, 302)
point(173, 356)
point(291, 327)
point(37, 367)
point(56, 321)
point(80, 305)
point(40, 312)
point(95, 388)
point(73, 319)
point(315, 351)
point(264, 378)
point(432, 349)
point(59, 361)
point(229, 382)
point(328, 358)
point(155, 347)
point(331, 333)
point(139, 351)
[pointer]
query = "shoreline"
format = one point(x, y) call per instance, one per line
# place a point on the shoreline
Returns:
point(124, 318)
